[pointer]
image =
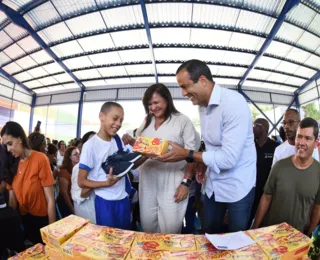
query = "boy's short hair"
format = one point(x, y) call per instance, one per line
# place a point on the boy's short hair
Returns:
point(106, 107)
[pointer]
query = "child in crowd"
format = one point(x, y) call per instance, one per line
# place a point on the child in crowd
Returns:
point(111, 202)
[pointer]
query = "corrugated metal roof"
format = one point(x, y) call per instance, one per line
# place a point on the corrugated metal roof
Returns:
point(16, 4)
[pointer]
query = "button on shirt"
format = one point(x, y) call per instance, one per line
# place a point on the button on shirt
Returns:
point(231, 154)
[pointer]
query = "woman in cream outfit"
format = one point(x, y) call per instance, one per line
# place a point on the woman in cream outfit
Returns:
point(163, 200)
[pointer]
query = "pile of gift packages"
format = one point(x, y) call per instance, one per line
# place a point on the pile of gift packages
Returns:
point(75, 238)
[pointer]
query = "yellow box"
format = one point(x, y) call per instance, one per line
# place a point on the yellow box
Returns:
point(183, 255)
point(282, 242)
point(58, 232)
point(138, 254)
point(150, 146)
point(37, 252)
point(252, 252)
point(54, 253)
point(107, 235)
point(168, 242)
point(203, 244)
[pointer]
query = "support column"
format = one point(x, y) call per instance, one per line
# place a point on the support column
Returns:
point(33, 104)
point(79, 119)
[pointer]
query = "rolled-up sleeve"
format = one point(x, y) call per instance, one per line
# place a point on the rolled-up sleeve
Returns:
point(236, 119)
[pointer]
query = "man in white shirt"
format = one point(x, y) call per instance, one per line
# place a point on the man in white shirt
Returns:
point(291, 120)
point(230, 150)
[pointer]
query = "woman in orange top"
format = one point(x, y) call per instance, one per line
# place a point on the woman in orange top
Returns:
point(71, 158)
point(32, 183)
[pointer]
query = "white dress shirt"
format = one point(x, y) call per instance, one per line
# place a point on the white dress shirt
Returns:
point(230, 150)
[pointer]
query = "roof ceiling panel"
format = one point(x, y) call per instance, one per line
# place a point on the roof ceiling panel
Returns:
point(53, 68)
point(269, 6)
point(298, 55)
point(295, 81)
point(167, 68)
point(231, 71)
point(168, 79)
point(26, 62)
point(255, 22)
point(128, 38)
point(287, 67)
point(150, 80)
point(14, 51)
point(28, 44)
point(250, 83)
point(5, 40)
point(301, 15)
point(213, 68)
point(305, 72)
point(94, 83)
point(277, 87)
point(118, 17)
point(313, 61)
point(56, 88)
point(105, 58)
point(23, 76)
point(318, 50)
point(169, 12)
point(3, 17)
point(16, 4)
point(214, 15)
point(170, 35)
point(15, 32)
point(42, 15)
point(210, 37)
point(134, 55)
point(118, 81)
point(68, 48)
point(289, 32)
point(277, 77)
point(86, 23)
point(63, 77)
point(310, 41)
point(96, 42)
point(238, 57)
point(48, 81)
point(12, 68)
point(41, 56)
point(113, 71)
point(67, 8)
point(79, 62)
point(41, 90)
point(87, 74)
point(279, 49)
point(226, 81)
point(33, 84)
point(55, 33)
point(245, 41)
point(4, 58)
point(70, 86)
point(315, 24)
point(37, 72)
point(259, 74)
point(139, 69)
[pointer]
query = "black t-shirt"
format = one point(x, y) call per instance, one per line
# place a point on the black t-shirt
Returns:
point(264, 163)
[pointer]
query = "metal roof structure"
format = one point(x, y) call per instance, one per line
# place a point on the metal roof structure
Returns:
point(269, 50)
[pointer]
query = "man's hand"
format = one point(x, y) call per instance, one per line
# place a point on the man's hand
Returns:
point(181, 193)
point(111, 179)
point(201, 173)
point(128, 139)
point(176, 154)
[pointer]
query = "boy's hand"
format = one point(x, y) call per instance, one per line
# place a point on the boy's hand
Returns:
point(111, 179)
point(128, 139)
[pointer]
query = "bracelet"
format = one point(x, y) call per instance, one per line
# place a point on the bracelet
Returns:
point(185, 184)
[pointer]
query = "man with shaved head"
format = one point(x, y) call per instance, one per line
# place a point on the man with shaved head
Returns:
point(290, 123)
point(265, 148)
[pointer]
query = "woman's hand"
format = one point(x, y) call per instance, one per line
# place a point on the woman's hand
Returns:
point(128, 139)
point(201, 173)
point(181, 193)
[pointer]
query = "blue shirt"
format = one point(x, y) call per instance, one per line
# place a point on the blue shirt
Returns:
point(230, 151)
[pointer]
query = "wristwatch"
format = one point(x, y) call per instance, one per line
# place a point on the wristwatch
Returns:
point(190, 158)
point(186, 182)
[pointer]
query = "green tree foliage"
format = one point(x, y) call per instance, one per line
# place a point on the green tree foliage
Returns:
point(311, 110)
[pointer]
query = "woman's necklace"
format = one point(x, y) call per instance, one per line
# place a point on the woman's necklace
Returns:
point(23, 163)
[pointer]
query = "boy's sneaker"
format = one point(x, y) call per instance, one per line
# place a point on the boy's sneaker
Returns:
point(125, 156)
point(120, 168)
point(3, 203)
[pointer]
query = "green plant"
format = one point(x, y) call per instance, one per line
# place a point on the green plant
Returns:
point(314, 252)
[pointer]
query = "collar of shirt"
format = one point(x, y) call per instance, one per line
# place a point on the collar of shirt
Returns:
point(215, 96)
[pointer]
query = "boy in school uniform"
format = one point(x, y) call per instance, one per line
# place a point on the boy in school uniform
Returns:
point(111, 202)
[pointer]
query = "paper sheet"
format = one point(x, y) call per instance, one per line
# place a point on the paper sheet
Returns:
point(231, 241)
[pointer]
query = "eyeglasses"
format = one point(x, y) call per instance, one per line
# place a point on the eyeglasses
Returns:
point(290, 122)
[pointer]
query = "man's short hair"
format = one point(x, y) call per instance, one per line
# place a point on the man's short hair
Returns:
point(310, 122)
point(106, 107)
point(293, 111)
point(196, 68)
point(263, 122)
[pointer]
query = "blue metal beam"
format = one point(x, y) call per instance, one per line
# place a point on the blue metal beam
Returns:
point(286, 8)
point(14, 80)
point(313, 78)
point(19, 20)
point(146, 25)
point(80, 109)
point(33, 104)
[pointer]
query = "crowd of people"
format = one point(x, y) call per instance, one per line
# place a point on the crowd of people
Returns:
point(232, 175)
